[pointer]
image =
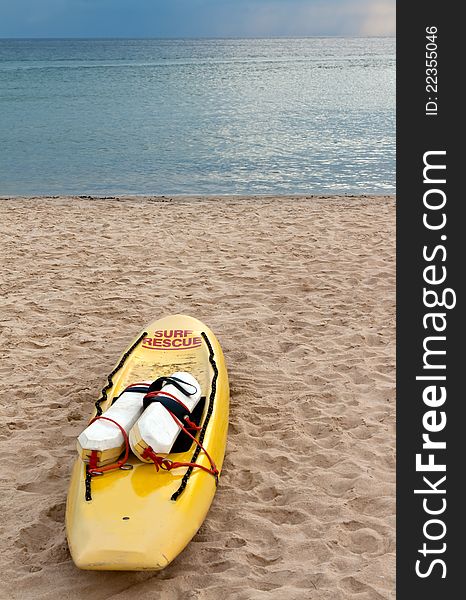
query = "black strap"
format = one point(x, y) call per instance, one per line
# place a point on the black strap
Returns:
point(137, 389)
point(170, 404)
point(180, 384)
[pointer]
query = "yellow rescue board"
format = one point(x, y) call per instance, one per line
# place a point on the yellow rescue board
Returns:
point(132, 522)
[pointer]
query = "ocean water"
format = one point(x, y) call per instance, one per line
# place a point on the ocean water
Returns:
point(253, 116)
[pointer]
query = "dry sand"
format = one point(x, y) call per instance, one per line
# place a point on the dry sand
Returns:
point(301, 293)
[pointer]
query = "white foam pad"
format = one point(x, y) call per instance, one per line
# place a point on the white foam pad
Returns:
point(103, 435)
point(156, 426)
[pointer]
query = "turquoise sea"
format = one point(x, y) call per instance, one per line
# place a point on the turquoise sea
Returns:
point(239, 116)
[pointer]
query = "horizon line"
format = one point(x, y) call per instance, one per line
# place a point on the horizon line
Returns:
point(239, 37)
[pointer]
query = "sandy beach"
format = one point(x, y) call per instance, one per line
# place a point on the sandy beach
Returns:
point(301, 293)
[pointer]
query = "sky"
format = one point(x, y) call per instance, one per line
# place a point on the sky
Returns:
point(195, 18)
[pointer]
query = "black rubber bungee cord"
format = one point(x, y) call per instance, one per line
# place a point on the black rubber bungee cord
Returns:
point(213, 391)
point(103, 398)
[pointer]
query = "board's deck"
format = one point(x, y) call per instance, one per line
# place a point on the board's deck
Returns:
point(131, 521)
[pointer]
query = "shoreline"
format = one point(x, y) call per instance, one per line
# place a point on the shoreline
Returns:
point(155, 197)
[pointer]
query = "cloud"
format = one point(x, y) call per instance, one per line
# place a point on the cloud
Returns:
point(317, 17)
point(196, 18)
point(380, 18)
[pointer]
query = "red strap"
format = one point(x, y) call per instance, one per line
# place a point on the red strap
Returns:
point(167, 465)
point(93, 469)
point(93, 459)
point(160, 463)
point(192, 424)
point(143, 383)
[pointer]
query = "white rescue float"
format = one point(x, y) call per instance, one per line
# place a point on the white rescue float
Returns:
point(147, 414)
